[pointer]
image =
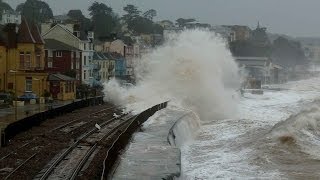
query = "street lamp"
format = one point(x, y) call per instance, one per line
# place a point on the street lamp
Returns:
point(15, 93)
point(36, 79)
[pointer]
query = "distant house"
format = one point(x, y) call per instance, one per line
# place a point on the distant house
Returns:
point(101, 63)
point(233, 32)
point(10, 17)
point(117, 46)
point(262, 69)
point(62, 87)
point(62, 58)
point(112, 65)
point(120, 66)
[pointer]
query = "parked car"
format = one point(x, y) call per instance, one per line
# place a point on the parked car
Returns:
point(27, 96)
point(5, 98)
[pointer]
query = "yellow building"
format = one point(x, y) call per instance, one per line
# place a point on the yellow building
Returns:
point(22, 59)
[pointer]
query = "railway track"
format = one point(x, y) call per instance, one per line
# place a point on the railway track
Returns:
point(72, 125)
point(17, 160)
point(70, 162)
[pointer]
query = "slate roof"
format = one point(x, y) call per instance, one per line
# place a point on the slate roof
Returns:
point(60, 77)
point(58, 45)
point(36, 34)
point(29, 33)
point(99, 56)
point(24, 33)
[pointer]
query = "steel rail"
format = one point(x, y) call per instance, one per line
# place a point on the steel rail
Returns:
point(75, 144)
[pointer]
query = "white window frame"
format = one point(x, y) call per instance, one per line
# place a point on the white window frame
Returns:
point(50, 53)
point(58, 53)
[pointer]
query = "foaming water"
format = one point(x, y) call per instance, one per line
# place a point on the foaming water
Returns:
point(302, 130)
point(193, 69)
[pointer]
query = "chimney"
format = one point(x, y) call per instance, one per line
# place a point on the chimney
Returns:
point(11, 30)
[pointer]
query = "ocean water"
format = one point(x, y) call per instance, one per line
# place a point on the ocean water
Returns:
point(276, 136)
point(269, 136)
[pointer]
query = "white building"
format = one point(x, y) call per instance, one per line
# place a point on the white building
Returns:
point(10, 17)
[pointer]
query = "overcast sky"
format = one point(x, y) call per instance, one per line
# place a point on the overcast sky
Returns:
point(292, 17)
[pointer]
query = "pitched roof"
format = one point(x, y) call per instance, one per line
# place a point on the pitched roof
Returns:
point(58, 45)
point(60, 77)
point(36, 34)
point(24, 33)
point(62, 27)
point(99, 56)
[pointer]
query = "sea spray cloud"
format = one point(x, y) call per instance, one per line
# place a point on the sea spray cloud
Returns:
point(194, 70)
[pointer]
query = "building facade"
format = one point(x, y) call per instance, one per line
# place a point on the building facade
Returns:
point(78, 39)
point(23, 59)
point(62, 58)
point(62, 87)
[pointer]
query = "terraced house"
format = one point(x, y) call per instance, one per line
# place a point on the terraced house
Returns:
point(22, 59)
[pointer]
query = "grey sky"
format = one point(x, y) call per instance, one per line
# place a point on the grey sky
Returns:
point(292, 17)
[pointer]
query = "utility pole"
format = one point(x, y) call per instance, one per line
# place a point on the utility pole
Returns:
point(15, 94)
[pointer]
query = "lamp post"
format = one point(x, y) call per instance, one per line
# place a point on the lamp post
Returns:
point(15, 93)
point(36, 79)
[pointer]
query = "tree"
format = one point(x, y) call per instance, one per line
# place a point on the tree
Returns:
point(99, 9)
point(35, 10)
point(181, 22)
point(132, 13)
point(103, 19)
point(141, 24)
point(77, 15)
point(150, 14)
point(288, 53)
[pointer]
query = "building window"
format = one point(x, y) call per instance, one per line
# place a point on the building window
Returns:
point(49, 62)
point(85, 46)
point(71, 63)
point(84, 60)
point(28, 84)
point(38, 61)
point(85, 74)
point(21, 60)
point(27, 62)
point(50, 54)
point(10, 85)
point(77, 64)
point(58, 54)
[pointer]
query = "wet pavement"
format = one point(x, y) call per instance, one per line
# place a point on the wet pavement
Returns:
point(149, 155)
point(7, 115)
